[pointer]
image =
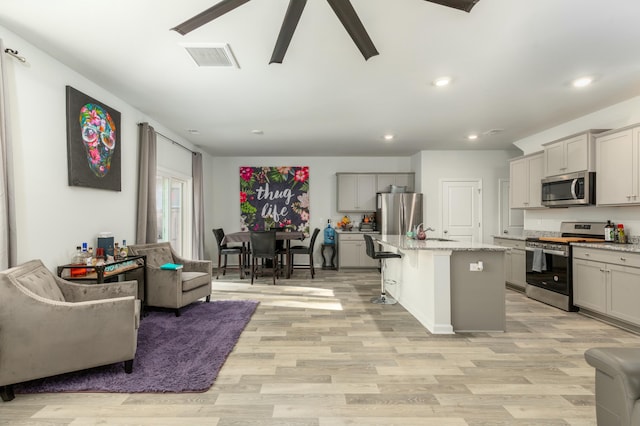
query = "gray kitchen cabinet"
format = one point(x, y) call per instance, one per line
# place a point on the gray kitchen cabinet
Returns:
point(589, 286)
point(352, 251)
point(515, 261)
point(571, 154)
point(385, 180)
point(618, 167)
point(607, 283)
point(356, 192)
point(526, 175)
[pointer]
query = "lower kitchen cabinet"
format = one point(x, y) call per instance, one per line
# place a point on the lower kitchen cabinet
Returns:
point(352, 252)
point(515, 262)
point(607, 283)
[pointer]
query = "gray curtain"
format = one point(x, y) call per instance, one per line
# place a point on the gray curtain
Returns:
point(8, 247)
point(198, 207)
point(147, 223)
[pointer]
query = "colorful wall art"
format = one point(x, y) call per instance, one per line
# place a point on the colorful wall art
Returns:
point(93, 142)
point(274, 197)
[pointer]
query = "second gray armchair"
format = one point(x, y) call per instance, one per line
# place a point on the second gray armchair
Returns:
point(173, 289)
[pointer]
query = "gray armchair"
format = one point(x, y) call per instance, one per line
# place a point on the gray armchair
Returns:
point(617, 385)
point(173, 289)
point(50, 326)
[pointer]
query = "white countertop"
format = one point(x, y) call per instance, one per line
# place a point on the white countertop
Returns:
point(404, 243)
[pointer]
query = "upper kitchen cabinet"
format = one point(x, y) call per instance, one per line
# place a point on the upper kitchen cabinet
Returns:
point(385, 180)
point(618, 166)
point(572, 154)
point(526, 173)
point(356, 192)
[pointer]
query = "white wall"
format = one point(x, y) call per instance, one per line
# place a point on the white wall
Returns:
point(489, 166)
point(53, 217)
point(613, 117)
point(322, 186)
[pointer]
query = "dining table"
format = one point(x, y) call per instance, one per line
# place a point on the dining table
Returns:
point(244, 237)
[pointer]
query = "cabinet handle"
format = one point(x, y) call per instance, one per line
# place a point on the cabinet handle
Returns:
point(603, 270)
point(587, 254)
point(624, 259)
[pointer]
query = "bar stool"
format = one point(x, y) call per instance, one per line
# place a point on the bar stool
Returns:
point(383, 299)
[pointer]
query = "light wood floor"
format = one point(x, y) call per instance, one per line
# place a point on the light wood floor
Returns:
point(318, 353)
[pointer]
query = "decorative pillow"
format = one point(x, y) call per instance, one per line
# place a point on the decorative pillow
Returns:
point(40, 281)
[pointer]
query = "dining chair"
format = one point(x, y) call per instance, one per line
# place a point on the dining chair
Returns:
point(383, 299)
point(303, 250)
point(263, 247)
point(226, 250)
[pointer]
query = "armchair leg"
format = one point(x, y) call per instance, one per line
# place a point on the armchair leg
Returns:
point(208, 299)
point(128, 366)
point(177, 312)
point(6, 392)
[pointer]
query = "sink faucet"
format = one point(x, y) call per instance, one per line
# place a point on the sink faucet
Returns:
point(429, 229)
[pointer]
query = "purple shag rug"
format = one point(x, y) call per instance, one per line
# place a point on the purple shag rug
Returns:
point(175, 354)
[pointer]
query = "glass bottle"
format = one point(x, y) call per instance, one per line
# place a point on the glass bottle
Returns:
point(78, 259)
point(621, 237)
point(124, 251)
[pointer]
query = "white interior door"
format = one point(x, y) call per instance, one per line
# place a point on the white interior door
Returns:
point(462, 209)
point(510, 221)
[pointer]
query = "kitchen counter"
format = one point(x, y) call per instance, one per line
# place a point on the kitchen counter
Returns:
point(629, 248)
point(404, 243)
point(512, 237)
point(356, 231)
point(449, 286)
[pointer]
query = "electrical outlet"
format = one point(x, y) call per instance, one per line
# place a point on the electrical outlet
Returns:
point(473, 267)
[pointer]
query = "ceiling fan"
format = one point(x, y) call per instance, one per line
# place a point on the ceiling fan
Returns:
point(342, 8)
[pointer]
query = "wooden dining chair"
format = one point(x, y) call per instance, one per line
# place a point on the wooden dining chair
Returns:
point(263, 247)
point(226, 250)
point(303, 250)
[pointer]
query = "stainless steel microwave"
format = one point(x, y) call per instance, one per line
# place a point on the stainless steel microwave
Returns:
point(574, 189)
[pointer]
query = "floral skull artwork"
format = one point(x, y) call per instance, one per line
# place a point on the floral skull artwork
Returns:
point(99, 137)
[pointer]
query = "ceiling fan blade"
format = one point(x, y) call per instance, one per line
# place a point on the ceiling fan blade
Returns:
point(208, 15)
point(465, 5)
point(289, 24)
point(347, 15)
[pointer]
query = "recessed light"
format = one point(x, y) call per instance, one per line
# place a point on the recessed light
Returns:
point(442, 81)
point(389, 137)
point(582, 81)
point(257, 132)
point(472, 137)
point(193, 131)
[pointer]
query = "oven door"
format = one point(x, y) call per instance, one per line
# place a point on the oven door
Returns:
point(552, 273)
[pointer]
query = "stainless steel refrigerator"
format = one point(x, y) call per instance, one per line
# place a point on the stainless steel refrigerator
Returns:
point(398, 212)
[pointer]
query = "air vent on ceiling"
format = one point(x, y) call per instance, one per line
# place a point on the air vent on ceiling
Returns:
point(211, 55)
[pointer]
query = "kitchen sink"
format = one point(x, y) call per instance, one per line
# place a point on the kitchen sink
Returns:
point(437, 239)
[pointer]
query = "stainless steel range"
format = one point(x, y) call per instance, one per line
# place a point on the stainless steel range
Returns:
point(549, 259)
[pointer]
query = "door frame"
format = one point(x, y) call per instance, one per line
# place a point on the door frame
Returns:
point(479, 196)
point(504, 223)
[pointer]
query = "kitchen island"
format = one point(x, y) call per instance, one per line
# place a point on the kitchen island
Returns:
point(449, 286)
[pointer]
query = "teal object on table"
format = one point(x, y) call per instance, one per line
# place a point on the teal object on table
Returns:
point(171, 266)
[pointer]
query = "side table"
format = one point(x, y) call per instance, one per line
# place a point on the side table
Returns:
point(100, 274)
point(332, 248)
